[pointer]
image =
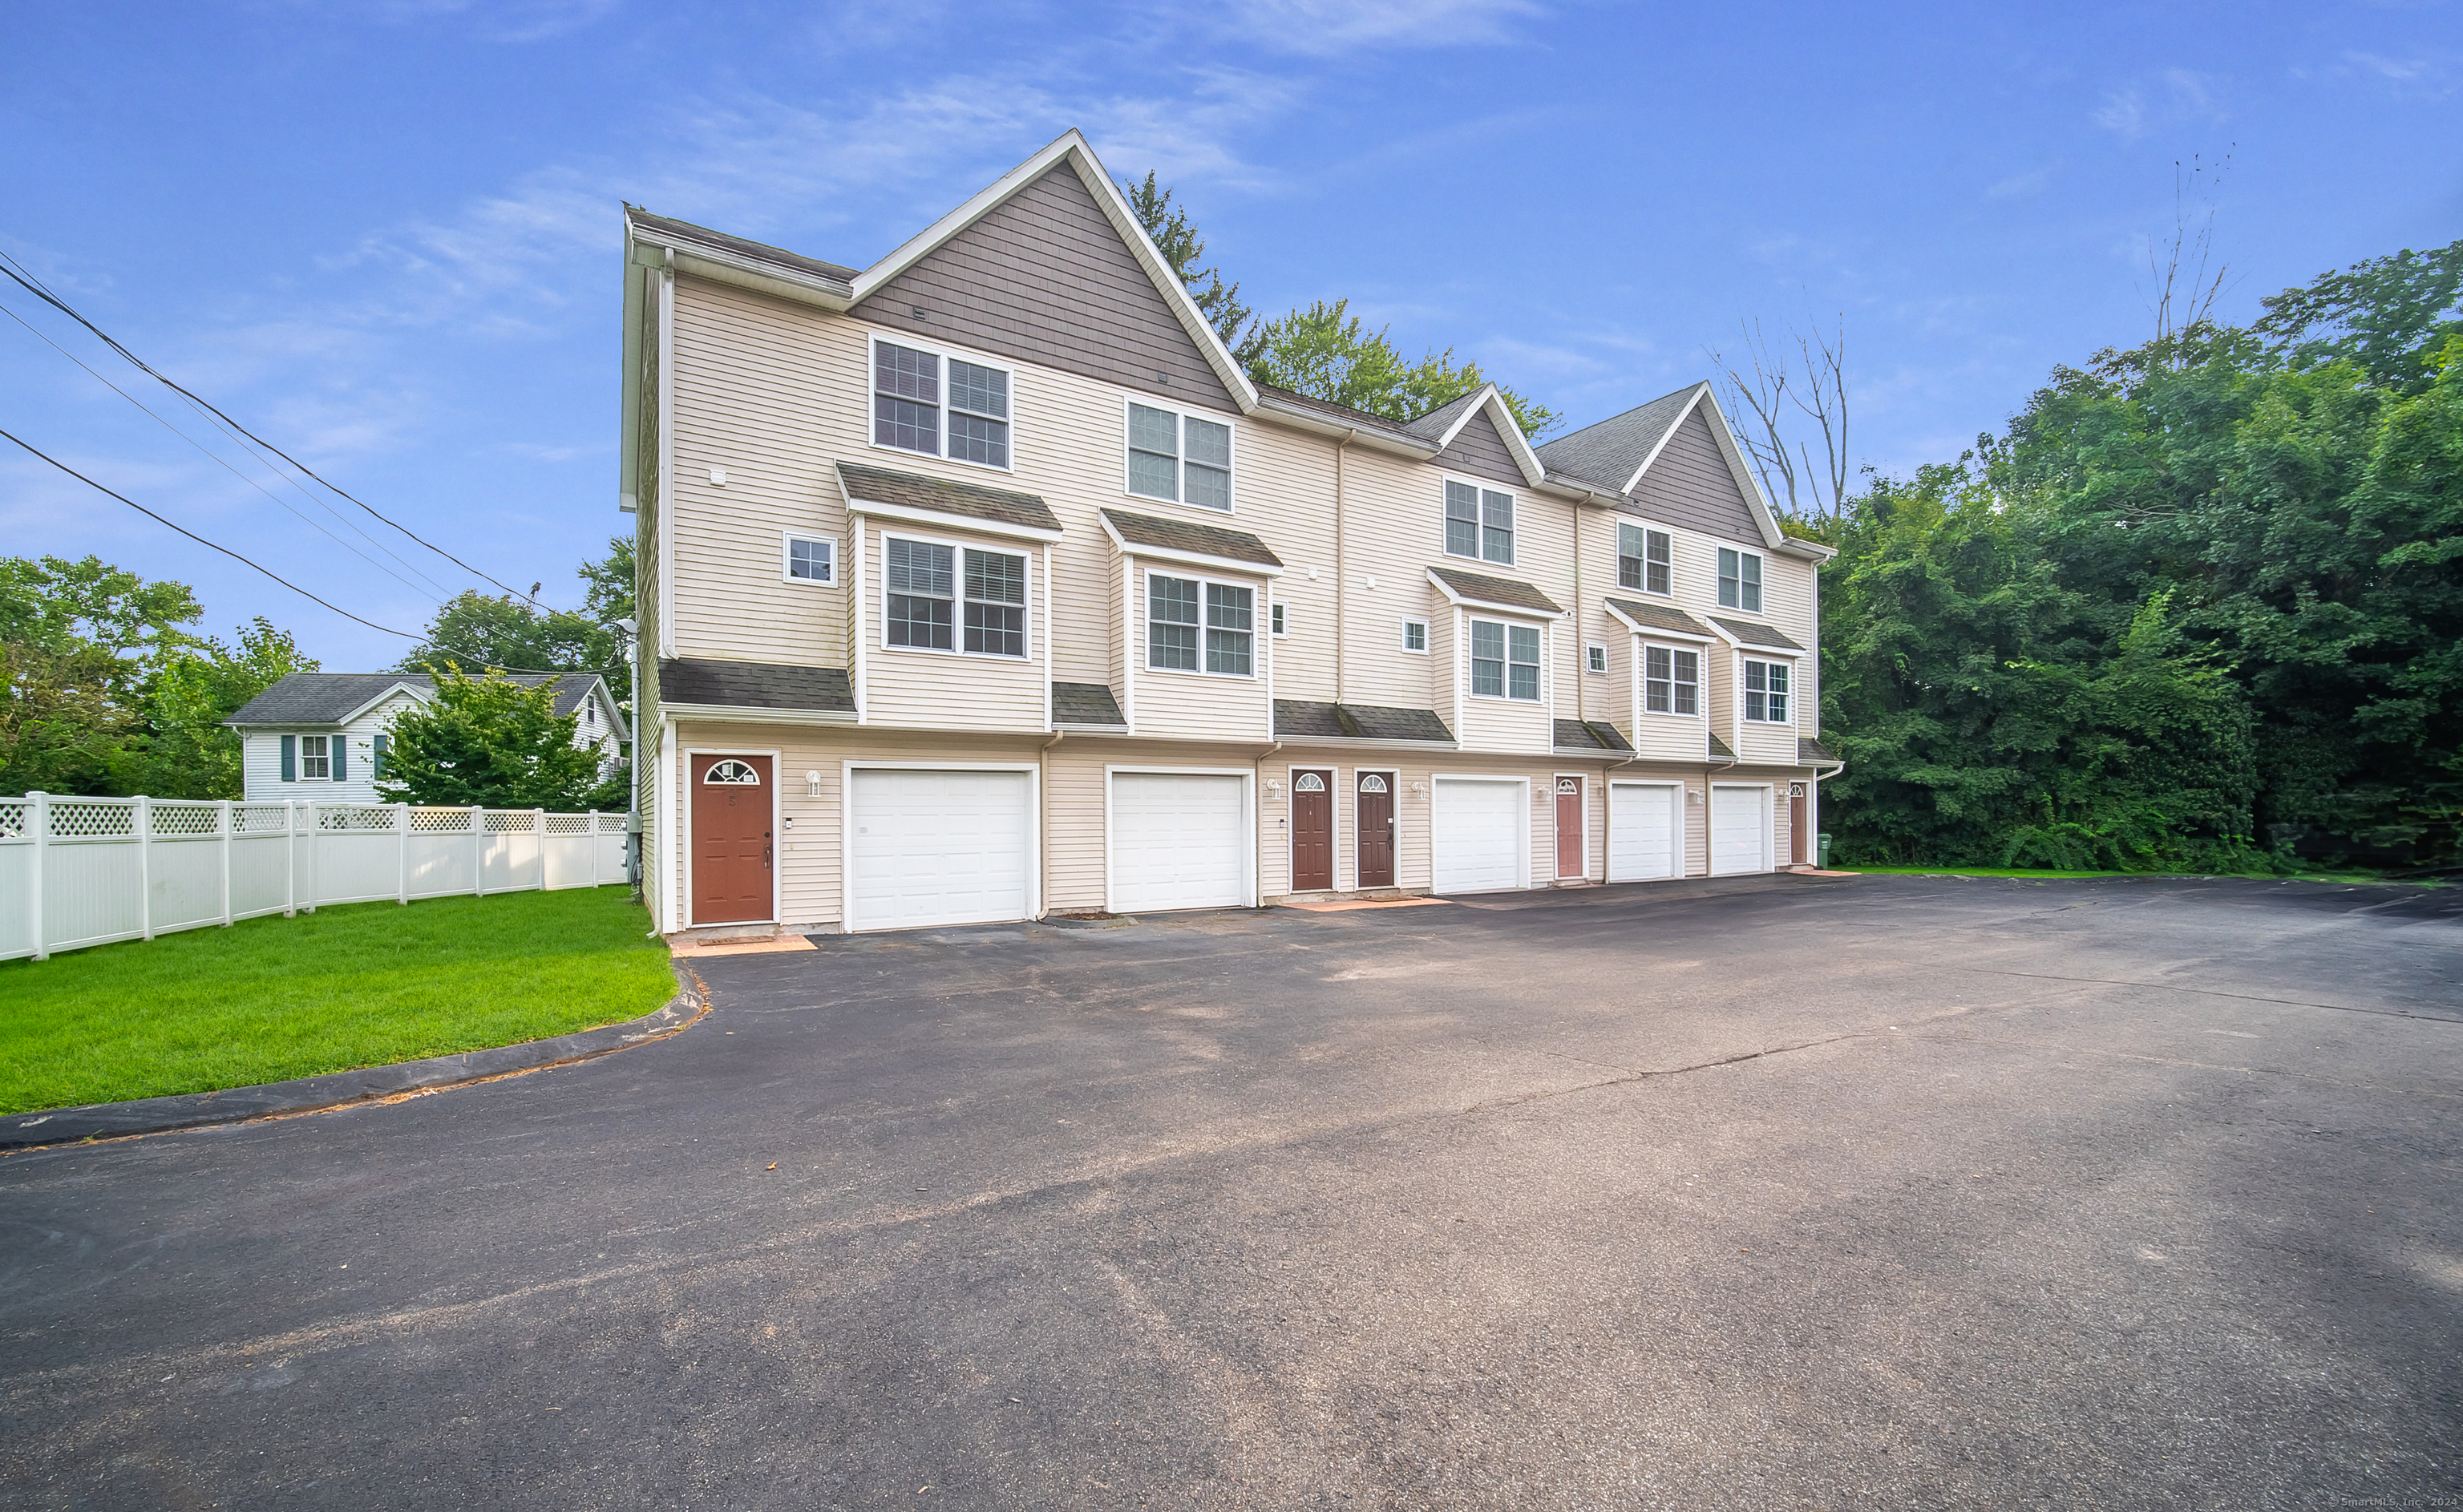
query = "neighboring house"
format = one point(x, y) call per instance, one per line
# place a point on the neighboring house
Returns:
point(323, 735)
point(982, 585)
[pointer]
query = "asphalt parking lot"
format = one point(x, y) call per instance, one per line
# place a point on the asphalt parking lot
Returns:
point(1877, 1192)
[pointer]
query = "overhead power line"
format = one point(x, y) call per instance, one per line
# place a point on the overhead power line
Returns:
point(202, 541)
point(33, 286)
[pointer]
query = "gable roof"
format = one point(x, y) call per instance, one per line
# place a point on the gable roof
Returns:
point(1659, 617)
point(1613, 452)
point(1443, 424)
point(1184, 539)
point(1504, 593)
point(1744, 632)
point(1071, 148)
point(333, 698)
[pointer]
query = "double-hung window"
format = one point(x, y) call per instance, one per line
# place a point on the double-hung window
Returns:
point(1192, 623)
point(1180, 457)
point(1504, 659)
point(927, 585)
point(1672, 679)
point(962, 413)
point(314, 764)
point(1644, 560)
point(1766, 692)
point(1479, 524)
point(1740, 581)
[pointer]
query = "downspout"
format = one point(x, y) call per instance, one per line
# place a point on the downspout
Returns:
point(1257, 845)
point(1340, 449)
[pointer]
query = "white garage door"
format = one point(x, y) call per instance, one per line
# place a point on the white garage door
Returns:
point(1477, 834)
point(1739, 830)
point(939, 847)
point(1641, 830)
point(1180, 840)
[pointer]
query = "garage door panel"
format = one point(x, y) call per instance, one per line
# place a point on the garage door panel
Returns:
point(1739, 830)
point(939, 847)
point(1180, 840)
point(1642, 831)
point(1476, 841)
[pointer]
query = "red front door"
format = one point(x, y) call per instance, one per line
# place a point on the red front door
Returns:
point(1375, 817)
point(1799, 844)
point(1569, 826)
point(1312, 831)
point(731, 839)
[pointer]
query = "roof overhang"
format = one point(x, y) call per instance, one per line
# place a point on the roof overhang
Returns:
point(1192, 558)
point(1656, 631)
point(740, 714)
point(1466, 600)
point(945, 520)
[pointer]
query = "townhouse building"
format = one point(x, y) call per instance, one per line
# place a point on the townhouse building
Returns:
point(984, 584)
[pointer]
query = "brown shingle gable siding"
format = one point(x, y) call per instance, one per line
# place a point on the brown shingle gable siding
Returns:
point(945, 496)
point(1044, 278)
point(1478, 450)
point(1689, 485)
point(755, 685)
point(1608, 452)
point(1497, 590)
point(1661, 615)
point(1752, 634)
point(1206, 541)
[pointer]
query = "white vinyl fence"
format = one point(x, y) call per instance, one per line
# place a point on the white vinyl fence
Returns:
point(80, 871)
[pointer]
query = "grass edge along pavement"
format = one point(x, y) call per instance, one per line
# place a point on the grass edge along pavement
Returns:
point(2027, 874)
point(348, 987)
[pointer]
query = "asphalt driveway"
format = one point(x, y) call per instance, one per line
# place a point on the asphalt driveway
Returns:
point(1877, 1193)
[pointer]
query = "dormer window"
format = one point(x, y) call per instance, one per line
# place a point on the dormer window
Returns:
point(940, 406)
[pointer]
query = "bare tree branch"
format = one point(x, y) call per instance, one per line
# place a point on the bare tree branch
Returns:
point(1813, 382)
point(2186, 278)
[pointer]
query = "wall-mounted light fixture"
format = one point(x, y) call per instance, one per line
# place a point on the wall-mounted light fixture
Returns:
point(812, 784)
point(1419, 790)
point(1273, 790)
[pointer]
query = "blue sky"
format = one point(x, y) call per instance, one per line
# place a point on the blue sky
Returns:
point(385, 236)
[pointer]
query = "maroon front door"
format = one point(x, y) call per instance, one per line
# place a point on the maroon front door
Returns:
point(1799, 844)
point(1375, 817)
point(731, 839)
point(1569, 826)
point(1312, 831)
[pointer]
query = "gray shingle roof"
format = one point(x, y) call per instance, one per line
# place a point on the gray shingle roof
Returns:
point(1719, 751)
point(1809, 752)
point(755, 685)
point(324, 698)
point(1435, 423)
point(1497, 590)
point(1334, 411)
point(1206, 541)
point(1752, 634)
point(1303, 719)
point(761, 251)
point(1661, 615)
point(1608, 452)
point(945, 496)
point(1596, 734)
point(1085, 704)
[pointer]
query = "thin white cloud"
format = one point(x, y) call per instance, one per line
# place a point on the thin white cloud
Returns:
point(2023, 185)
point(2123, 114)
point(510, 21)
point(1326, 27)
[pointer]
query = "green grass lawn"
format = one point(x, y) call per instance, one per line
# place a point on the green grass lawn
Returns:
point(2006, 871)
point(365, 984)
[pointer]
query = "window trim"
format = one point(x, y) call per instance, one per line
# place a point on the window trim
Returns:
point(787, 539)
point(1761, 578)
point(1181, 415)
point(874, 336)
point(1641, 678)
point(1420, 649)
point(1538, 663)
point(1641, 524)
point(1145, 623)
point(1281, 630)
point(1482, 486)
point(1601, 648)
point(326, 756)
point(958, 600)
point(1787, 670)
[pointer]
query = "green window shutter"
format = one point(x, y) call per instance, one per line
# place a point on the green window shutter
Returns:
point(336, 746)
point(291, 759)
point(375, 769)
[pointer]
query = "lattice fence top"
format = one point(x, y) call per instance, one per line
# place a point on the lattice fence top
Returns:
point(357, 818)
point(568, 824)
point(93, 818)
point(260, 818)
point(186, 819)
point(14, 818)
point(440, 822)
point(508, 820)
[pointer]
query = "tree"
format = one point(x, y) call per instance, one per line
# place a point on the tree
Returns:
point(78, 642)
point(493, 742)
point(475, 630)
point(187, 751)
point(1323, 351)
point(1812, 381)
point(2393, 315)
